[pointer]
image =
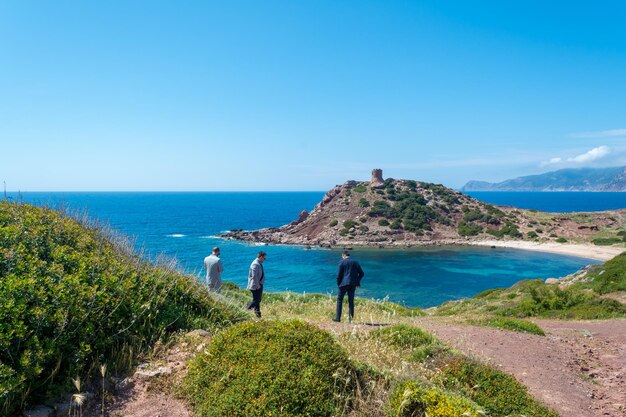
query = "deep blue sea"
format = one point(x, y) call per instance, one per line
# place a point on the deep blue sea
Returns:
point(184, 225)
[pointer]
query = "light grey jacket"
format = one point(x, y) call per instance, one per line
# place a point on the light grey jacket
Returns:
point(214, 270)
point(256, 276)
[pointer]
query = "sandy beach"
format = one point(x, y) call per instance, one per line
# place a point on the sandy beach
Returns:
point(601, 253)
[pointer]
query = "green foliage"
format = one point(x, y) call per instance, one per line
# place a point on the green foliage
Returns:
point(607, 241)
point(500, 394)
point(71, 298)
point(572, 302)
point(363, 228)
point(411, 399)
point(421, 343)
point(475, 214)
point(609, 277)
point(412, 185)
point(509, 229)
point(364, 203)
point(380, 208)
point(360, 188)
point(469, 229)
point(333, 223)
point(561, 240)
point(532, 235)
point(395, 225)
point(271, 368)
point(383, 222)
point(516, 325)
point(348, 224)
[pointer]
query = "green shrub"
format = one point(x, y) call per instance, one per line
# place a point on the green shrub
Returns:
point(363, 228)
point(380, 208)
point(469, 229)
point(610, 276)
point(606, 241)
point(383, 222)
point(364, 203)
point(572, 302)
point(333, 223)
point(271, 368)
point(421, 343)
point(532, 235)
point(509, 229)
point(410, 399)
point(72, 298)
point(516, 325)
point(553, 235)
point(348, 224)
point(561, 240)
point(360, 188)
point(500, 394)
point(395, 225)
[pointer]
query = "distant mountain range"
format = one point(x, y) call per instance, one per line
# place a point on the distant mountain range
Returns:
point(571, 179)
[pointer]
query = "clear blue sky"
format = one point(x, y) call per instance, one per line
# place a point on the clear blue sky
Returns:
point(302, 95)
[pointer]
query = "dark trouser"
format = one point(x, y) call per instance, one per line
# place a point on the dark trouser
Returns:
point(256, 301)
point(342, 292)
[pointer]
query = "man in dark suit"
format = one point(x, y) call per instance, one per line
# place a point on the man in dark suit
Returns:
point(349, 276)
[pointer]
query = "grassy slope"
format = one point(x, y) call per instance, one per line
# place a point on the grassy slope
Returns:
point(72, 299)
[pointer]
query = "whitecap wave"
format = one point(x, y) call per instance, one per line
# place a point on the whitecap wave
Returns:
point(176, 235)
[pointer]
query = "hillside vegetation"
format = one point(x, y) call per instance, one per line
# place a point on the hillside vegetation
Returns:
point(580, 297)
point(74, 297)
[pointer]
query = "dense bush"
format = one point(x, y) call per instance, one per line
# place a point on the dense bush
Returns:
point(364, 203)
point(606, 241)
point(410, 399)
point(271, 368)
point(71, 298)
point(383, 222)
point(469, 229)
point(421, 343)
point(509, 229)
point(572, 302)
point(561, 240)
point(360, 188)
point(348, 224)
point(500, 394)
point(333, 223)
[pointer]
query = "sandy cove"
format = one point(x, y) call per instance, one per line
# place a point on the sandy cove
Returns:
point(600, 253)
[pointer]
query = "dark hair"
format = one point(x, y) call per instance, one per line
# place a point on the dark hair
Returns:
point(261, 254)
point(216, 249)
point(346, 253)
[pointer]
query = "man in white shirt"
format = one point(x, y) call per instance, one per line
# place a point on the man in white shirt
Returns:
point(214, 269)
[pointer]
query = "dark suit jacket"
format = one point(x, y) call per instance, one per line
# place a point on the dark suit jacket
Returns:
point(349, 273)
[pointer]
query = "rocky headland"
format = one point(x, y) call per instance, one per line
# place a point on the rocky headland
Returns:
point(405, 213)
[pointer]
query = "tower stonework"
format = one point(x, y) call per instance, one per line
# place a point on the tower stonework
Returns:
point(377, 178)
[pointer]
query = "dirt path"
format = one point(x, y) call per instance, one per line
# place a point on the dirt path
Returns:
point(578, 368)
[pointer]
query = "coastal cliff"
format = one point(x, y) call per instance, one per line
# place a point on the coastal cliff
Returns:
point(400, 213)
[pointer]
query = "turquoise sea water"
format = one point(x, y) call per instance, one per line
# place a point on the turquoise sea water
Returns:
point(184, 225)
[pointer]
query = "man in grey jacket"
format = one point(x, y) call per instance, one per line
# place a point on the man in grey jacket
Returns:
point(256, 279)
point(214, 269)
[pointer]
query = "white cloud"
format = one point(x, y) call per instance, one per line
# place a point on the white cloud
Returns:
point(589, 156)
point(601, 134)
point(592, 155)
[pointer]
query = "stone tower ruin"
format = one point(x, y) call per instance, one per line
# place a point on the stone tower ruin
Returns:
point(377, 178)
